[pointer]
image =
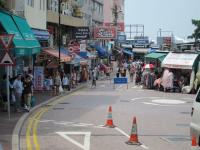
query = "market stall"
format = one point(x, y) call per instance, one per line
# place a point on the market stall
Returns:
point(184, 67)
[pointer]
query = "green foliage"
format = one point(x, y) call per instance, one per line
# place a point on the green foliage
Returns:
point(196, 34)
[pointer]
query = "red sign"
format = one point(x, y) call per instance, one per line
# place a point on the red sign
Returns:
point(120, 26)
point(105, 33)
point(6, 40)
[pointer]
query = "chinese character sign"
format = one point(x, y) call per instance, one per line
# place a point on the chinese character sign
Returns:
point(105, 33)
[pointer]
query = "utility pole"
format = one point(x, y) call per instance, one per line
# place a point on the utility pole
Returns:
point(59, 36)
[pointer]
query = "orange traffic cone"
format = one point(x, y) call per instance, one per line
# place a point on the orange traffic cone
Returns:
point(109, 122)
point(133, 137)
point(194, 142)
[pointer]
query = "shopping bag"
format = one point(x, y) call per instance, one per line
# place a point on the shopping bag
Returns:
point(60, 89)
point(32, 101)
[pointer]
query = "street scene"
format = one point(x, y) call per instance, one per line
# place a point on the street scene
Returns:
point(99, 75)
point(78, 121)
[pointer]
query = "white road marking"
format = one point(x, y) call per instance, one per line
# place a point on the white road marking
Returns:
point(82, 125)
point(86, 145)
point(125, 134)
point(122, 132)
point(168, 101)
point(150, 103)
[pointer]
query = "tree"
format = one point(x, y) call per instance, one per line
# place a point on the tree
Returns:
point(2, 3)
point(196, 34)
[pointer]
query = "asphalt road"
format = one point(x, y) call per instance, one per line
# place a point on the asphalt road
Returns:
point(75, 122)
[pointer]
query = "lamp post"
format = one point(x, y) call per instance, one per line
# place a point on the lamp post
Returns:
point(59, 34)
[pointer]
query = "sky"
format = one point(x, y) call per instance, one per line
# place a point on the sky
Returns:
point(169, 15)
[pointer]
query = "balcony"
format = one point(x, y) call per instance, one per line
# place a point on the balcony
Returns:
point(53, 16)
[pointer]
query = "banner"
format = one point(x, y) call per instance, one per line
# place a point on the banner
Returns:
point(105, 33)
point(38, 77)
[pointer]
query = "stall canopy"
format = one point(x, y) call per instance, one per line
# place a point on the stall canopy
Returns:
point(100, 50)
point(179, 60)
point(55, 53)
point(25, 44)
point(128, 52)
point(156, 55)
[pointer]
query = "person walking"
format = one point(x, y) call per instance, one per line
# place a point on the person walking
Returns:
point(65, 82)
point(28, 92)
point(94, 77)
point(18, 88)
point(57, 83)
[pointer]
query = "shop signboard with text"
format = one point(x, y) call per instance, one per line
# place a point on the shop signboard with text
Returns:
point(105, 33)
point(82, 33)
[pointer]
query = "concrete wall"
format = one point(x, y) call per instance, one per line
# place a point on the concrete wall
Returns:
point(36, 16)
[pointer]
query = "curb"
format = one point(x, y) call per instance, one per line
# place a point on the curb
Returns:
point(18, 127)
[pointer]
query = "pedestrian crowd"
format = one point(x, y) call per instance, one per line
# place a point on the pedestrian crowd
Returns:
point(162, 79)
point(21, 91)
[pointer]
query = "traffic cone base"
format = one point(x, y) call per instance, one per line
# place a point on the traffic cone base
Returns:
point(133, 143)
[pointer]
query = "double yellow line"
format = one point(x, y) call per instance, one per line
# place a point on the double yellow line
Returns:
point(31, 131)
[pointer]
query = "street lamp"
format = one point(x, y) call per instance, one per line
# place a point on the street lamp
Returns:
point(59, 38)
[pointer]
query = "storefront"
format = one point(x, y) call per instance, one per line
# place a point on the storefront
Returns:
point(49, 58)
point(26, 46)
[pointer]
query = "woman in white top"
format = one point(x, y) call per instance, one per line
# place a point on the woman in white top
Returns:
point(65, 82)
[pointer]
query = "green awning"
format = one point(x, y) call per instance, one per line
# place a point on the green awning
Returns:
point(10, 27)
point(155, 55)
point(25, 42)
point(30, 40)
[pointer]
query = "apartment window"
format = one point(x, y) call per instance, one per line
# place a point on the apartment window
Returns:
point(30, 3)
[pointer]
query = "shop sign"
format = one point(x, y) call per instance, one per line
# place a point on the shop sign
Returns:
point(82, 33)
point(120, 25)
point(121, 38)
point(38, 77)
point(105, 33)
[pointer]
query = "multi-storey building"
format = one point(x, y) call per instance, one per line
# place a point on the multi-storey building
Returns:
point(114, 13)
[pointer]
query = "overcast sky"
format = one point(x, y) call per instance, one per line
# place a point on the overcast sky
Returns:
point(169, 15)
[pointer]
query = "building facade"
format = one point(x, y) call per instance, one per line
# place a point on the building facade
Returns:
point(114, 13)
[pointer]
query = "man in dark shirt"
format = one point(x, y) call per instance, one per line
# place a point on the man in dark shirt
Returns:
point(28, 91)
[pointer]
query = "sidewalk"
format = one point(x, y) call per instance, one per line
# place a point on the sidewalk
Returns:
point(7, 126)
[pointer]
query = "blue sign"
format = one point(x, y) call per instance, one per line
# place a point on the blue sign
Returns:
point(121, 38)
point(120, 80)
